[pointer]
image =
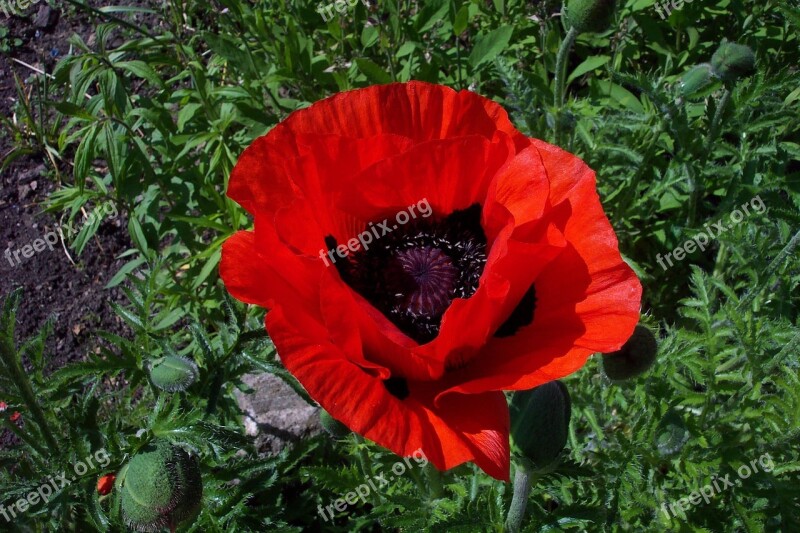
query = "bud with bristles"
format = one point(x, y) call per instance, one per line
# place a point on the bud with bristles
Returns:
point(592, 16)
point(697, 79)
point(160, 487)
point(333, 427)
point(540, 425)
point(733, 61)
point(173, 374)
point(636, 356)
point(671, 434)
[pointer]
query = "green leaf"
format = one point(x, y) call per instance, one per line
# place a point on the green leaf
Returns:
point(123, 272)
point(137, 234)
point(372, 71)
point(461, 20)
point(84, 155)
point(72, 110)
point(490, 45)
point(142, 70)
point(590, 64)
point(128, 316)
point(186, 113)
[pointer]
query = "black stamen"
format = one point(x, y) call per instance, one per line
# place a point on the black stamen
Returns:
point(413, 273)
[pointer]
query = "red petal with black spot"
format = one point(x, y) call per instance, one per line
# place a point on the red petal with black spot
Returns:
point(508, 276)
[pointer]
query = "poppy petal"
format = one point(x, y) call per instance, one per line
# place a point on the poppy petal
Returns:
point(419, 111)
point(587, 299)
point(471, 428)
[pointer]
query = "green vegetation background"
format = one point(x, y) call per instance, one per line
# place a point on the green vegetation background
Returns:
point(156, 125)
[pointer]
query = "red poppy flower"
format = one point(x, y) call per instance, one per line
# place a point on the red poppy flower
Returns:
point(16, 416)
point(106, 484)
point(3, 406)
point(502, 273)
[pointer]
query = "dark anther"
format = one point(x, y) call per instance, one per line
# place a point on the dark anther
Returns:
point(413, 273)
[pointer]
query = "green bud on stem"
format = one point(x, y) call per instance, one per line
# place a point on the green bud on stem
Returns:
point(636, 356)
point(160, 487)
point(732, 62)
point(540, 425)
point(333, 427)
point(173, 374)
point(592, 16)
point(697, 79)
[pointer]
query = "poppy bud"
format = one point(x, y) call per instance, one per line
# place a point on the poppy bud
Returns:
point(671, 434)
point(696, 79)
point(592, 16)
point(106, 484)
point(636, 356)
point(540, 424)
point(333, 427)
point(161, 487)
point(173, 374)
point(732, 61)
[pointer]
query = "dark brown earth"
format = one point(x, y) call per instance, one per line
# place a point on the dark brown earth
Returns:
point(73, 290)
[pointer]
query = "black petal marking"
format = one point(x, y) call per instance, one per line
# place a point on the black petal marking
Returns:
point(521, 316)
point(397, 387)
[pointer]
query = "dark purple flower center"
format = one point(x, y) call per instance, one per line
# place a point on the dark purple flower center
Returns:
point(413, 273)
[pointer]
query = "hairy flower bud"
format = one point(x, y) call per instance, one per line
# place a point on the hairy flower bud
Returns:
point(540, 424)
point(636, 356)
point(697, 79)
point(173, 374)
point(671, 434)
point(733, 61)
point(161, 487)
point(589, 15)
point(333, 427)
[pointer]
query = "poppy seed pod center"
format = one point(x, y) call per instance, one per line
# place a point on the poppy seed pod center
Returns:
point(425, 277)
point(414, 273)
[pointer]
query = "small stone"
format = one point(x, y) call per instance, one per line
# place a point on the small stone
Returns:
point(274, 414)
point(46, 17)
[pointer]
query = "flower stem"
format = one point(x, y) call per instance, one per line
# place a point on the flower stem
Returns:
point(473, 489)
point(366, 465)
point(697, 183)
point(559, 84)
point(434, 482)
point(522, 489)
point(363, 456)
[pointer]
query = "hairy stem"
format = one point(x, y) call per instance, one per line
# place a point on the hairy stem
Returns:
point(519, 502)
point(434, 482)
point(697, 182)
point(559, 84)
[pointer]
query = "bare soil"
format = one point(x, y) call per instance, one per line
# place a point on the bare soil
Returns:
point(55, 282)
